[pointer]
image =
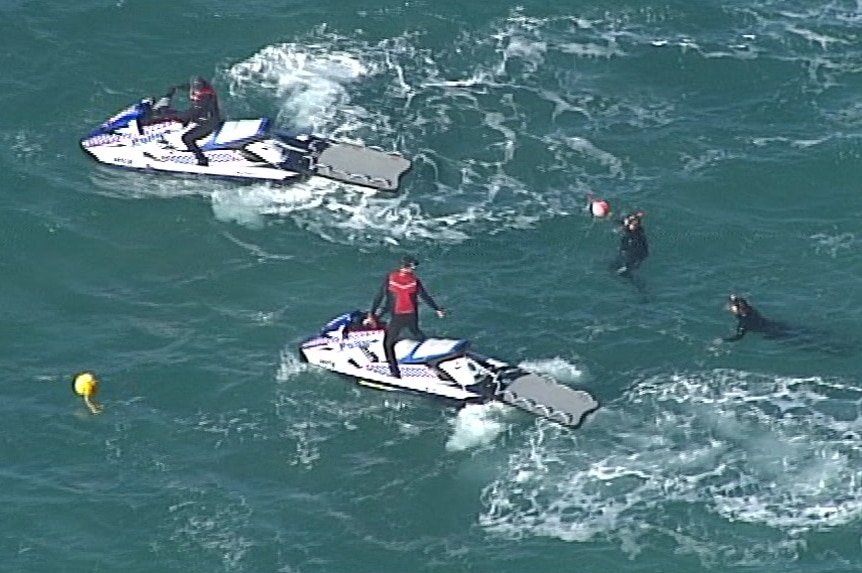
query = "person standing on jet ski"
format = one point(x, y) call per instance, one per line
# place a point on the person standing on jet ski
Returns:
point(401, 289)
point(634, 248)
point(204, 113)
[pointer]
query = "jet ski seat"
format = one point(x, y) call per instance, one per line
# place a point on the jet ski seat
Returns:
point(233, 134)
point(430, 351)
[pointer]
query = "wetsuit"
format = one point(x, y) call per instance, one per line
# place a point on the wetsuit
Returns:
point(749, 320)
point(633, 250)
point(205, 113)
point(401, 289)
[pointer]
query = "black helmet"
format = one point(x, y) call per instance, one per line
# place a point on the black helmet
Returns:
point(635, 217)
point(738, 300)
point(409, 261)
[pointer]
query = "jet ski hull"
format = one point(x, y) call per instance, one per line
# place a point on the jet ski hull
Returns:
point(442, 368)
point(247, 150)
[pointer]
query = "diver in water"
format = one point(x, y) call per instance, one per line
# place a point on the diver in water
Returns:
point(634, 248)
point(749, 319)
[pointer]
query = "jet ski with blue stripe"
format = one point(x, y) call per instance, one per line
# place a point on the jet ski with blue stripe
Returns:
point(441, 367)
point(143, 136)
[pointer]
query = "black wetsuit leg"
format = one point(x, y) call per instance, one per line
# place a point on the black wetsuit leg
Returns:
point(191, 136)
point(625, 264)
point(634, 249)
point(398, 323)
point(390, 337)
point(413, 326)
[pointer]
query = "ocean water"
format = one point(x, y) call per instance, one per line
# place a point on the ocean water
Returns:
point(734, 125)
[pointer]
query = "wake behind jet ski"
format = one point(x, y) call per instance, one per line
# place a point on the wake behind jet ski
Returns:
point(149, 135)
point(440, 367)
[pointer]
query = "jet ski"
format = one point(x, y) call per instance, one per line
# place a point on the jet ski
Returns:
point(145, 136)
point(440, 367)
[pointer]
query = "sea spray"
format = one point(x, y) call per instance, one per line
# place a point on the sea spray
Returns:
point(477, 425)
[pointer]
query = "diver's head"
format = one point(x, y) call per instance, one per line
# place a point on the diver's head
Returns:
point(633, 221)
point(198, 87)
point(409, 263)
point(737, 305)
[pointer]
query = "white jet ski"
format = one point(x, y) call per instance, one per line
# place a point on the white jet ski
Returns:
point(141, 137)
point(440, 367)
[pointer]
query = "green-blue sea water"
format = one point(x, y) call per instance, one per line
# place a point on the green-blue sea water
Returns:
point(735, 126)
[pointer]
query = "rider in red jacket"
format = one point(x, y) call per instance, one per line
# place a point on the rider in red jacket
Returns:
point(402, 288)
point(204, 113)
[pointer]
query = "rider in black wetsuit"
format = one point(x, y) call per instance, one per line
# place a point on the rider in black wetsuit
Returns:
point(634, 248)
point(749, 320)
point(204, 113)
point(402, 288)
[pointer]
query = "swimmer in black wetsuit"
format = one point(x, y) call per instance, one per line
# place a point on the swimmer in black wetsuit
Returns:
point(748, 319)
point(634, 248)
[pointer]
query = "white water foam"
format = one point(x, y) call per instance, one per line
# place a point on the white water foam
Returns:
point(557, 368)
point(320, 80)
point(210, 523)
point(309, 82)
point(833, 244)
point(248, 206)
point(477, 425)
point(119, 183)
point(779, 453)
point(290, 366)
point(317, 406)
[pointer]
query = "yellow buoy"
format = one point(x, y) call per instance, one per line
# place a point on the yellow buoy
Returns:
point(86, 385)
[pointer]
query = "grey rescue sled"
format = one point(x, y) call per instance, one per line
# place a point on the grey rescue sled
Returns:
point(361, 166)
point(549, 399)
